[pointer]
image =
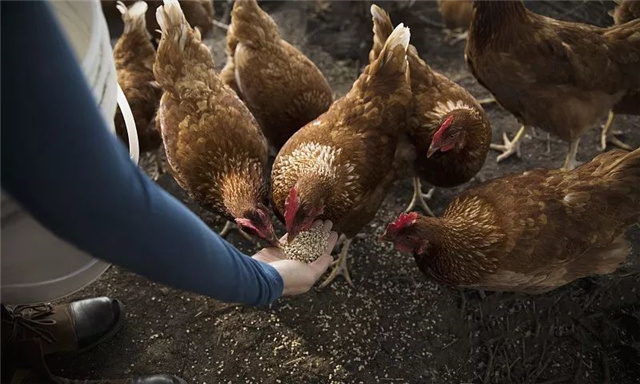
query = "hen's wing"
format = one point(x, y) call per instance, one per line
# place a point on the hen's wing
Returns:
point(354, 142)
point(281, 86)
point(551, 217)
point(209, 133)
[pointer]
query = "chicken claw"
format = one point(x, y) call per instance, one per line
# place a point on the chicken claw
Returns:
point(487, 100)
point(230, 226)
point(510, 147)
point(570, 161)
point(419, 198)
point(340, 265)
point(454, 38)
point(152, 164)
point(608, 136)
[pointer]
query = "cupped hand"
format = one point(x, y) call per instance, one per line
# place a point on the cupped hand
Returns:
point(298, 277)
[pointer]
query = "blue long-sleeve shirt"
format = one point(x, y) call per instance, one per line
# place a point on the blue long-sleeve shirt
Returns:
point(64, 167)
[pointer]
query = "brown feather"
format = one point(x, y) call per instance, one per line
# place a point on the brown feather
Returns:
point(134, 56)
point(560, 76)
point(625, 11)
point(435, 97)
point(456, 14)
point(342, 161)
point(215, 149)
point(533, 232)
point(280, 85)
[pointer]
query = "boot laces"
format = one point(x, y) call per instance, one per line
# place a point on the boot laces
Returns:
point(33, 318)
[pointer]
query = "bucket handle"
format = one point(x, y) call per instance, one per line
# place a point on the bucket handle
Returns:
point(132, 133)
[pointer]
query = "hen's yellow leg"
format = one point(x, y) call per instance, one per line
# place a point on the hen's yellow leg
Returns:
point(158, 161)
point(152, 163)
point(487, 100)
point(340, 265)
point(510, 147)
point(456, 37)
point(230, 226)
point(419, 198)
point(570, 161)
point(608, 136)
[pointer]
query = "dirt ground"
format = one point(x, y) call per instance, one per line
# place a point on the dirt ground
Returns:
point(396, 326)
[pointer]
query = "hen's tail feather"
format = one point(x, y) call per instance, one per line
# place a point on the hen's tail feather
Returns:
point(134, 17)
point(393, 56)
point(382, 28)
point(181, 46)
point(172, 21)
point(251, 24)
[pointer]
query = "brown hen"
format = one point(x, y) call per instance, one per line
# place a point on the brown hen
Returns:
point(215, 149)
point(457, 16)
point(199, 13)
point(532, 232)
point(448, 134)
point(283, 88)
point(556, 75)
point(625, 11)
point(134, 56)
point(340, 166)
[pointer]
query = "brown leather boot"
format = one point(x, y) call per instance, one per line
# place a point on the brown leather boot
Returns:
point(74, 327)
point(34, 329)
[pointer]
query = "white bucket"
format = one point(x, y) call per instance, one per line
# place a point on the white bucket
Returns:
point(37, 266)
point(87, 31)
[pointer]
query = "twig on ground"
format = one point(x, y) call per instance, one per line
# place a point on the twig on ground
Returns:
point(492, 353)
point(450, 344)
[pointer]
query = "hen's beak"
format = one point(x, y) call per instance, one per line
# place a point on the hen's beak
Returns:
point(383, 237)
point(433, 148)
point(292, 235)
point(273, 240)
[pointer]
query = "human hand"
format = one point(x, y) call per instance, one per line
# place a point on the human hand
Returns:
point(298, 277)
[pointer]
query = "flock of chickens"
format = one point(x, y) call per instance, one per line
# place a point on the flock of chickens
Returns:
point(337, 159)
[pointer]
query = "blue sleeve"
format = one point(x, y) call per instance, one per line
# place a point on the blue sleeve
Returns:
point(62, 165)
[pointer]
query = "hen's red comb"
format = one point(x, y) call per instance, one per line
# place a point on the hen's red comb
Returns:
point(445, 124)
point(403, 221)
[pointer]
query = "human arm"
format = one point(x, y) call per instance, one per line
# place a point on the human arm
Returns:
point(63, 166)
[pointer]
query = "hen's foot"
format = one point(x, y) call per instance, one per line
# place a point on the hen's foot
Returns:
point(342, 239)
point(158, 163)
point(570, 164)
point(487, 100)
point(220, 25)
point(570, 161)
point(608, 136)
point(454, 38)
point(322, 7)
point(509, 147)
point(340, 266)
point(152, 164)
point(419, 198)
point(229, 226)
